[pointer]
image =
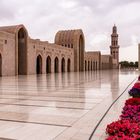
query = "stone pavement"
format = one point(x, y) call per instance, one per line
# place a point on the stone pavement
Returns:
point(60, 106)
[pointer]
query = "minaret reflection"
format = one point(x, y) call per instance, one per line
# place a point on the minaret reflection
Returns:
point(114, 83)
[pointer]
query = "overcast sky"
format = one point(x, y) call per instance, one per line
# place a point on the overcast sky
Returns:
point(43, 18)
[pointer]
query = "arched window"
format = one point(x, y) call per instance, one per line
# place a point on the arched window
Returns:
point(48, 65)
point(91, 65)
point(68, 65)
point(85, 65)
point(81, 53)
point(56, 65)
point(39, 64)
point(88, 65)
point(63, 65)
point(22, 52)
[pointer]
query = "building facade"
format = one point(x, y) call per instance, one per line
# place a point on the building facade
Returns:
point(22, 55)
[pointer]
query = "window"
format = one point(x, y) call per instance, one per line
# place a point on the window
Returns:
point(71, 45)
point(5, 41)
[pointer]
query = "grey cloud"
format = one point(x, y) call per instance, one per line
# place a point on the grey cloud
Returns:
point(6, 10)
point(43, 18)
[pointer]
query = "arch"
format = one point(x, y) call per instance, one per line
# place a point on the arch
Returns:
point(63, 65)
point(85, 65)
point(48, 64)
point(91, 65)
point(56, 65)
point(68, 65)
point(81, 53)
point(22, 51)
point(39, 64)
point(88, 65)
point(76, 39)
point(0, 65)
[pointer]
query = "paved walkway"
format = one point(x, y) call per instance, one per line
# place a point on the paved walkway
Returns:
point(58, 106)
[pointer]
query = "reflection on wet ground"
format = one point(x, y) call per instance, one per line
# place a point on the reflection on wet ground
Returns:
point(58, 106)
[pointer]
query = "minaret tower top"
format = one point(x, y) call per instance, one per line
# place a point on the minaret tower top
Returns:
point(114, 48)
point(114, 29)
point(114, 37)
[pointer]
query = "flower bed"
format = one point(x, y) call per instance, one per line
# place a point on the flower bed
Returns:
point(123, 138)
point(133, 101)
point(128, 125)
point(131, 113)
point(123, 128)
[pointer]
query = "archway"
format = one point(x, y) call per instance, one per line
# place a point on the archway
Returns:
point(68, 65)
point(56, 65)
point(91, 65)
point(39, 64)
point(48, 65)
point(88, 66)
point(0, 65)
point(81, 53)
point(22, 52)
point(85, 65)
point(63, 65)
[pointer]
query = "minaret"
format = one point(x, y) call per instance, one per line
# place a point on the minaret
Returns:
point(114, 48)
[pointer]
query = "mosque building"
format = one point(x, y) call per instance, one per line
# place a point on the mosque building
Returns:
point(22, 55)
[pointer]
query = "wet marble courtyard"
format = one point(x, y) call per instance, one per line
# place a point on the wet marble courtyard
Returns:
point(59, 106)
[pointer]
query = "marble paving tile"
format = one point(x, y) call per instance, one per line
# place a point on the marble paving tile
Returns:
point(60, 106)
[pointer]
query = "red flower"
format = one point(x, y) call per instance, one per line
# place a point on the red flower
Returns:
point(123, 128)
point(128, 128)
point(137, 85)
point(123, 138)
point(133, 101)
point(131, 113)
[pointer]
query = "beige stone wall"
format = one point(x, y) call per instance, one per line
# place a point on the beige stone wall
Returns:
point(106, 62)
point(45, 49)
point(7, 51)
point(73, 39)
point(92, 60)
